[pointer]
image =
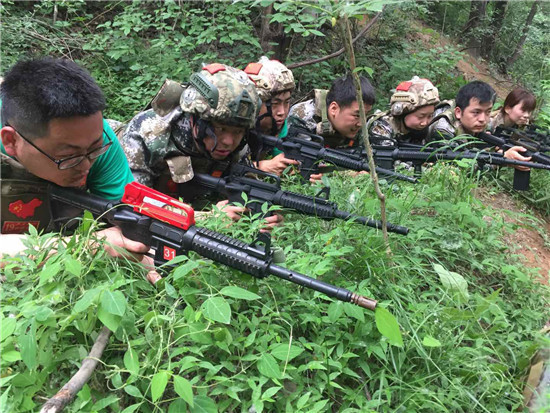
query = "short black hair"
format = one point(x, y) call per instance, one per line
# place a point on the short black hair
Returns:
point(343, 92)
point(476, 89)
point(36, 91)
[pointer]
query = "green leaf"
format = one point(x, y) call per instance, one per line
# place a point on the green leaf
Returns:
point(131, 361)
point(185, 269)
point(184, 389)
point(335, 310)
point(177, 406)
point(113, 302)
point(101, 404)
point(158, 384)
point(217, 309)
point(429, 341)
point(204, 404)
point(387, 326)
point(133, 391)
point(72, 266)
point(238, 292)
point(27, 345)
point(270, 392)
point(48, 272)
point(355, 311)
point(268, 366)
point(132, 408)
point(453, 282)
point(11, 356)
point(7, 327)
point(285, 352)
point(109, 320)
point(86, 300)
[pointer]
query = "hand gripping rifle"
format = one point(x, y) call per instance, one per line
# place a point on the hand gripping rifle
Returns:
point(259, 192)
point(386, 156)
point(309, 149)
point(150, 217)
point(502, 141)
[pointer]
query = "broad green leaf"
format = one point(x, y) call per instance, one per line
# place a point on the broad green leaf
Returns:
point(453, 281)
point(158, 384)
point(303, 400)
point(335, 310)
point(109, 320)
point(72, 266)
point(113, 302)
point(285, 352)
point(430, 341)
point(133, 391)
point(268, 366)
point(131, 361)
point(204, 404)
point(86, 300)
point(355, 311)
point(270, 392)
point(132, 408)
point(27, 345)
point(217, 309)
point(42, 313)
point(48, 272)
point(185, 269)
point(238, 292)
point(184, 389)
point(11, 356)
point(177, 406)
point(387, 326)
point(101, 404)
point(7, 327)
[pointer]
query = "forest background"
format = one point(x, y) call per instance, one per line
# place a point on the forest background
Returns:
point(468, 307)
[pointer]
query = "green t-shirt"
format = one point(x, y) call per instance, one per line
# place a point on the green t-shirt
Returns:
point(110, 172)
point(281, 135)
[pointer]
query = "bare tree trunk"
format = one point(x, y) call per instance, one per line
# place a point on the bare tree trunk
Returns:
point(265, 32)
point(348, 45)
point(521, 42)
point(494, 27)
point(478, 13)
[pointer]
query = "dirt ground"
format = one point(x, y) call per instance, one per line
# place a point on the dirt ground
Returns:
point(526, 241)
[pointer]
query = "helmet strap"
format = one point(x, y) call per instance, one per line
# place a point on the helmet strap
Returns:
point(268, 113)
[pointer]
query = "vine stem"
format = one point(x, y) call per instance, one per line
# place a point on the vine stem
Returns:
point(67, 393)
point(348, 45)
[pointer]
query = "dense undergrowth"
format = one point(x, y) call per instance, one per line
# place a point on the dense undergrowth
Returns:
point(469, 314)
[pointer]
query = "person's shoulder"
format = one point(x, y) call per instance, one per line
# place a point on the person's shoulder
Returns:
point(303, 110)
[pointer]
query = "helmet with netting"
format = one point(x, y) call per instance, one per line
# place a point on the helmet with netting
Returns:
point(222, 93)
point(413, 94)
point(271, 77)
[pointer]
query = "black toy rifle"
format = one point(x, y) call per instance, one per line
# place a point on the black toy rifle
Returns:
point(531, 138)
point(309, 149)
point(386, 156)
point(502, 141)
point(168, 226)
point(260, 191)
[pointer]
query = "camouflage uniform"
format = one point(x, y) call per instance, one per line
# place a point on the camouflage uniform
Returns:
point(312, 115)
point(497, 119)
point(160, 145)
point(388, 128)
point(444, 124)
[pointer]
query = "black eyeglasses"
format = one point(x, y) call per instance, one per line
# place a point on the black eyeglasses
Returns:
point(71, 161)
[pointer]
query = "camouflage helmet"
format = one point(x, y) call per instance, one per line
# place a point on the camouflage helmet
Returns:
point(271, 77)
point(222, 93)
point(413, 94)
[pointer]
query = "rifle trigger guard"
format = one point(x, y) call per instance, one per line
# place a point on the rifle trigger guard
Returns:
point(324, 193)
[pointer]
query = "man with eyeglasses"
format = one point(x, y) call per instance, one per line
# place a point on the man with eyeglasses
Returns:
point(53, 131)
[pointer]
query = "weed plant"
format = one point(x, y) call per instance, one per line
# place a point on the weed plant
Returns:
point(207, 338)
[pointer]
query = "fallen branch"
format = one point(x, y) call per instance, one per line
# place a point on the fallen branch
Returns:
point(67, 393)
point(339, 52)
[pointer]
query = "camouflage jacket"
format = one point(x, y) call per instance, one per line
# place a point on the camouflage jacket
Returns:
point(444, 124)
point(163, 154)
point(312, 114)
point(23, 199)
point(387, 130)
point(497, 119)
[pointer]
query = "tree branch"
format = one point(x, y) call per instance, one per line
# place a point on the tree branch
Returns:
point(339, 52)
point(67, 393)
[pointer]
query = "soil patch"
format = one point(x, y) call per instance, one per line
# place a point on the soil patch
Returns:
point(526, 241)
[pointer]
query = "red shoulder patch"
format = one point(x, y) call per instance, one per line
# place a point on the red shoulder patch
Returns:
point(214, 68)
point(217, 174)
point(22, 210)
point(404, 86)
point(253, 68)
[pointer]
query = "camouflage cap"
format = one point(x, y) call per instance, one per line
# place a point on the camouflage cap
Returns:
point(222, 93)
point(271, 77)
point(413, 94)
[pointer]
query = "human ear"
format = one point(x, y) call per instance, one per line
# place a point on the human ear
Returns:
point(333, 108)
point(458, 113)
point(9, 140)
